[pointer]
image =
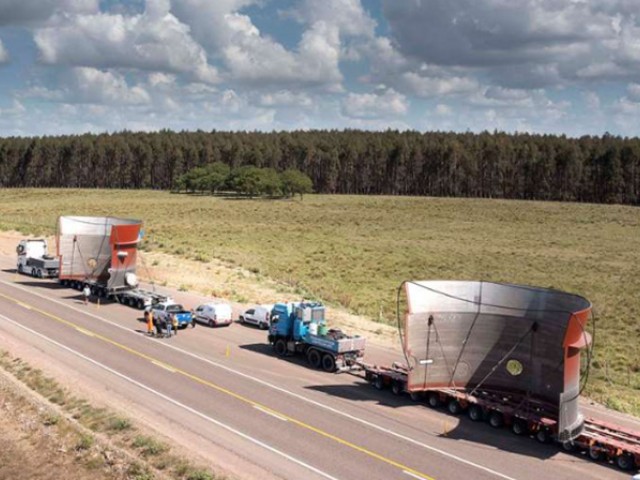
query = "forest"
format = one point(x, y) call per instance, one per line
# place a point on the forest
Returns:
point(604, 169)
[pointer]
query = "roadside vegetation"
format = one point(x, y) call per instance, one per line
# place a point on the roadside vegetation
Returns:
point(70, 438)
point(354, 251)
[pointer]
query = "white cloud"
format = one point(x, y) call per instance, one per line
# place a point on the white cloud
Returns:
point(592, 100)
point(347, 15)
point(286, 98)
point(4, 55)
point(521, 43)
point(154, 40)
point(444, 110)
point(91, 85)
point(425, 86)
point(372, 105)
point(633, 91)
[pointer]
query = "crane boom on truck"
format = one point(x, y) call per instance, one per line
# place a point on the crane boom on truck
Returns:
point(301, 328)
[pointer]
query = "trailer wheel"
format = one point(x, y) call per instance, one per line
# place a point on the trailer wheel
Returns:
point(568, 446)
point(39, 273)
point(454, 407)
point(496, 419)
point(475, 413)
point(328, 363)
point(378, 382)
point(625, 461)
point(280, 347)
point(595, 453)
point(543, 435)
point(396, 387)
point(314, 358)
point(519, 427)
point(416, 396)
point(433, 400)
point(140, 304)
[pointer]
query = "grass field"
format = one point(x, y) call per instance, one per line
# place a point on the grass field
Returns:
point(355, 251)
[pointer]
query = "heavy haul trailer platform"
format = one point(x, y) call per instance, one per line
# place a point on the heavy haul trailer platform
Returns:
point(600, 441)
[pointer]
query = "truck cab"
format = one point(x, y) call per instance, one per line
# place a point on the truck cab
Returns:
point(34, 260)
point(296, 320)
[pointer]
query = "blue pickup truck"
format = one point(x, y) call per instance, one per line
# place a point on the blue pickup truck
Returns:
point(166, 311)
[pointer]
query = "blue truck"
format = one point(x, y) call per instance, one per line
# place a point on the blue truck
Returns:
point(300, 328)
point(167, 311)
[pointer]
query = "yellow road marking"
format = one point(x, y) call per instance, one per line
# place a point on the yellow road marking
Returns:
point(237, 396)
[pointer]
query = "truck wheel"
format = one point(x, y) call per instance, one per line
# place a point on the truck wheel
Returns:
point(433, 400)
point(396, 387)
point(454, 407)
point(519, 427)
point(20, 269)
point(140, 304)
point(378, 382)
point(39, 273)
point(475, 413)
point(543, 436)
point(625, 461)
point(280, 347)
point(314, 358)
point(328, 363)
point(496, 420)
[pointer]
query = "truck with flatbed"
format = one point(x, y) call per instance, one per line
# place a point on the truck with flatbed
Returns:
point(300, 328)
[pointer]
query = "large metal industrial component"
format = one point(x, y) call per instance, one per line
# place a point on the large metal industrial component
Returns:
point(99, 249)
point(482, 336)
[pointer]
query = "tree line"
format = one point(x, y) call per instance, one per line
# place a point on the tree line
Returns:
point(600, 169)
point(246, 180)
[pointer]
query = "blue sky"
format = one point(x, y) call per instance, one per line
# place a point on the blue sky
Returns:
point(544, 66)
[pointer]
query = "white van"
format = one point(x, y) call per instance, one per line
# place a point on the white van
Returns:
point(213, 314)
point(259, 315)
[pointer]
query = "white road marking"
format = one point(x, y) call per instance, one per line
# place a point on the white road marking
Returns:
point(273, 414)
point(282, 390)
point(173, 401)
point(413, 475)
point(163, 365)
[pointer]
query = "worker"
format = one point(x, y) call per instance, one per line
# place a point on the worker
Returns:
point(175, 323)
point(86, 292)
point(169, 325)
point(149, 314)
point(158, 323)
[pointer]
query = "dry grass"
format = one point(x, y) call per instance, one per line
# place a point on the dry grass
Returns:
point(354, 251)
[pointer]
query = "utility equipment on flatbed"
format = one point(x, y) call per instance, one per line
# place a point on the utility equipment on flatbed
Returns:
point(34, 259)
point(301, 328)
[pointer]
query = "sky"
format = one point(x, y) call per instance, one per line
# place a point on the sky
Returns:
point(568, 67)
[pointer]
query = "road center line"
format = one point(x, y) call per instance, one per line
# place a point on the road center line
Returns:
point(164, 365)
point(173, 401)
point(237, 396)
point(268, 412)
point(412, 475)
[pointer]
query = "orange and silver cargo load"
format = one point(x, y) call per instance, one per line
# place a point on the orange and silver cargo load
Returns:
point(99, 249)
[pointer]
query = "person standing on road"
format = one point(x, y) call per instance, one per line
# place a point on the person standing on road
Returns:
point(169, 325)
point(149, 315)
point(86, 292)
point(175, 324)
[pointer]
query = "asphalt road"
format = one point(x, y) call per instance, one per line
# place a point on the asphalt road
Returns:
point(222, 393)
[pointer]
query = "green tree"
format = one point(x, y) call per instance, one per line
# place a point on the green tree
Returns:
point(295, 182)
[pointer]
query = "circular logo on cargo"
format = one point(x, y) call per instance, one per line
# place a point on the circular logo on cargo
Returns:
point(92, 262)
point(514, 367)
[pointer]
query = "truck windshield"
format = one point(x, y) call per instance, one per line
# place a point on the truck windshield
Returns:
point(174, 308)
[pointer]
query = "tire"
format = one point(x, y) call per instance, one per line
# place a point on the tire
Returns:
point(595, 453)
point(39, 273)
point(33, 273)
point(140, 304)
point(543, 436)
point(20, 269)
point(313, 358)
point(568, 446)
point(378, 383)
point(433, 400)
point(396, 387)
point(211, 323)
point(496, 419)
point(328, 363)
point(241, 319)
point(454, 407)
point(416, 396)
point(475, 413)
point(280, 347)
point(625, 461)
point(519, 427)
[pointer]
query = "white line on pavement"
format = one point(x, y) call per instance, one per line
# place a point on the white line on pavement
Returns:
point(273, 414)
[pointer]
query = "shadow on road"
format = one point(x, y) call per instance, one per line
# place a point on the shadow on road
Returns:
point(49, 285)
point(266, 349)
point(362, 392)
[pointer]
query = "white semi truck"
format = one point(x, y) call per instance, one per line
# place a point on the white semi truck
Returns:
point(34, 259)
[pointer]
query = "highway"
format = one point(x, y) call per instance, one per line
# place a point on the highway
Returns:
point(222, 394)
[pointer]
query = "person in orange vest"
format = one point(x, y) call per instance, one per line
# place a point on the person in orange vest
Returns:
point(149, 315)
